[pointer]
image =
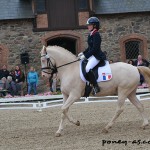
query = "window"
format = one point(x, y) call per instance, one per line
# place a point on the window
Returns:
point(41, 6)
point(83, 4)
point(133, 49)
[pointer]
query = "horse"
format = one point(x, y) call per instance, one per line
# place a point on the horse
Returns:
point(124, 82)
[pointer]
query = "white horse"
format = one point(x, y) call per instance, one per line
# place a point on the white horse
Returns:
point(124, 83)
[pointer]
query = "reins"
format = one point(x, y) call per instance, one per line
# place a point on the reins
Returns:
point(68, 63)
point(54, 68)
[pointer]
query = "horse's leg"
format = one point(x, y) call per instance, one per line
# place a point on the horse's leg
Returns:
point(120, 108)
point(71, 99)
point(65, 108)
point(60, 129)
point(133, 99)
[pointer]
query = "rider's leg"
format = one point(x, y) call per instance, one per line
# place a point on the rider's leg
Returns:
point(92, 62)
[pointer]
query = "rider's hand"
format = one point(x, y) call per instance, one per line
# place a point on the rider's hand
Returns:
point(80, 54)
point(47, 56)
point(82, 57)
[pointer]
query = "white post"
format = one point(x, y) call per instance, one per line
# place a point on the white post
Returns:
point(39, 106)
point(86, 99)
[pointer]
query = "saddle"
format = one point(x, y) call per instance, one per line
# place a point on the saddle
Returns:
point(88, 87)
point(95, 69)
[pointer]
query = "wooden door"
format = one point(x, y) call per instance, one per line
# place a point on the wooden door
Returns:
point(61, 14)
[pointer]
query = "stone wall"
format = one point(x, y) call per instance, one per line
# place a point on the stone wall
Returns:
point(17, 35)
point(115, 27)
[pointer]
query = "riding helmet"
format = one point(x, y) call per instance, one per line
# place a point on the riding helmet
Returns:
point(94, 21)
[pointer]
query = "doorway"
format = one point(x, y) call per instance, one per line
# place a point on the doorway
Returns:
point(67, 43)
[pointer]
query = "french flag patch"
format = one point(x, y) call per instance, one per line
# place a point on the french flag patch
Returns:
point(106, 76)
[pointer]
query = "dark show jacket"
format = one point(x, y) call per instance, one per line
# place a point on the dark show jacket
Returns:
point(94, 43)
point(4, 73)
point(145, 63)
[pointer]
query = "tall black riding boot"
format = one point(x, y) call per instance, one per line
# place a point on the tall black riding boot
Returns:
point(93, 81)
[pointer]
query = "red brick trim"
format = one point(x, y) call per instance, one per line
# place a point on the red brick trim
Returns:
point(3, 56)
point(65, 33)
point(133, 36)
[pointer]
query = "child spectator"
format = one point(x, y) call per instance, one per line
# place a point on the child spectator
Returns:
point(19, 79)
point(32, 79)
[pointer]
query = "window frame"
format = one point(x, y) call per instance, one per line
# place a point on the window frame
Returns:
point(83, 9)
point(40, 12)
point(139, 46)
point(129, 37)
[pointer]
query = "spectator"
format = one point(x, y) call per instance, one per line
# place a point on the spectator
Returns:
point(141, 62)
point(2, 86)
point(11, 83)
point(131, 62)
point(2, 83)
point(19, 80)
point(111, 61)
point(54, 84)
point(4, 72)
point(32, 79)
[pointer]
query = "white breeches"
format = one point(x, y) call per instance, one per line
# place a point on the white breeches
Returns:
point(92, 62)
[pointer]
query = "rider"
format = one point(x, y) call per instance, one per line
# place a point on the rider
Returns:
point(93, 53)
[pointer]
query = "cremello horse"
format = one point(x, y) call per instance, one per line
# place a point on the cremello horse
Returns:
point(124, 83)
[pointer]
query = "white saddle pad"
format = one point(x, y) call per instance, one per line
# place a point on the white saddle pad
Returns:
point(104, 73)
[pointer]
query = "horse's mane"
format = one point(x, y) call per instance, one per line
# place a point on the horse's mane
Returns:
point(61, 50)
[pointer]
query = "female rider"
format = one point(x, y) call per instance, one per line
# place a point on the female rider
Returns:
point(93, 53)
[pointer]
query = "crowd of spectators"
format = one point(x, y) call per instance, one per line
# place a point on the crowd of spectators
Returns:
point(12, 80)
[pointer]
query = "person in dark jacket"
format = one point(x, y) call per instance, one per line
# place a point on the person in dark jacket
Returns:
point(141, 62)
point(19, 80)
point(93, 53)
point(4, 72)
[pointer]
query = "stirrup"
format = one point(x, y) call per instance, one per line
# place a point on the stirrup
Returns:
point(96, 90)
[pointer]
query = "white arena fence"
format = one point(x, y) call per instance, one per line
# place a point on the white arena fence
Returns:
point(40, 102)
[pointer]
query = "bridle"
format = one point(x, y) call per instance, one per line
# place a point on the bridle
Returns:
point(52, 67)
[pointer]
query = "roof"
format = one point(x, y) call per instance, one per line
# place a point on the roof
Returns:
point(121, 6)
point(15, 9)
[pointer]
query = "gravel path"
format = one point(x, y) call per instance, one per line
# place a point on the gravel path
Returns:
point(32, 130)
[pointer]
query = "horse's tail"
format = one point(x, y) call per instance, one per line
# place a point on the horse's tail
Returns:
point(145, 71)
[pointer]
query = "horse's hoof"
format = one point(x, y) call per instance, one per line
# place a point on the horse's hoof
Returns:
point(78, 123)
point(57, 134)
point(104, 131)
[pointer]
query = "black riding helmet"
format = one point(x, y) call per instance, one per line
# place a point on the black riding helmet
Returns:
point(94, 21)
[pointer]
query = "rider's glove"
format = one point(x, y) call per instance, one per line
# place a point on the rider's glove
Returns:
point(82, 57)
point(47, 56)
point(80, 54)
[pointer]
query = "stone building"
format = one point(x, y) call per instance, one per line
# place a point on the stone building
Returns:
point(25, 25)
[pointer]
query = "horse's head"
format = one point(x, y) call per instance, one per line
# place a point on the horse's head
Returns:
point(47, 63)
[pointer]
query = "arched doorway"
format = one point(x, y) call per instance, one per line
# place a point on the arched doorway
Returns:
point(67, 43)
point(70, 40)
